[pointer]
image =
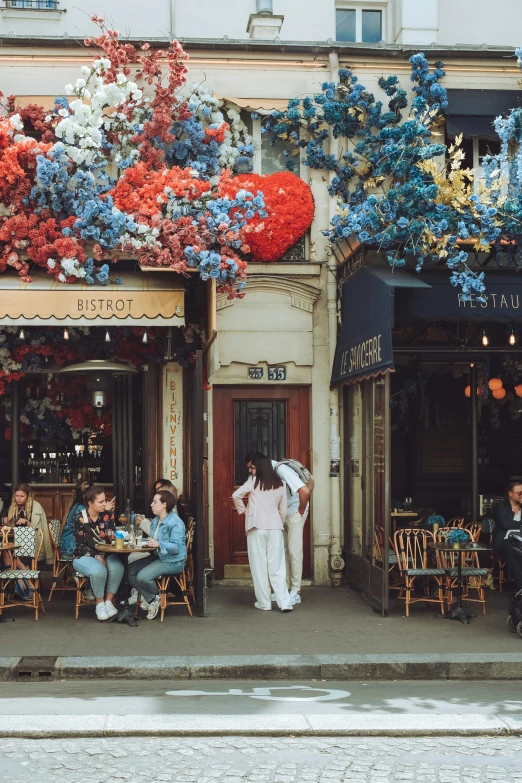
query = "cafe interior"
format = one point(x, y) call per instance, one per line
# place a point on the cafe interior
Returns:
point(432, 421)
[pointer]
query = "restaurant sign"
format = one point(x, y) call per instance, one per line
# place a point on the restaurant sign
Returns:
point(442, 301)
point(137, 298)
point(364, 345)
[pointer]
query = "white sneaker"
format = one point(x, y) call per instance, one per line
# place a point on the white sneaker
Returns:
point(153, 608)
point(144, 605)
point(295, 597)
point(88, 595)
point(287, 608)
point(133, 598)
point(268, 608)
point(111, 609)
point(101, 612)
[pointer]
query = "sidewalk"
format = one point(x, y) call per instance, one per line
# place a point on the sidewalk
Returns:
point(329, 621)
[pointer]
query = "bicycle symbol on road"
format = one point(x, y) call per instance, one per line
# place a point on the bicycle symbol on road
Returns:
point(265, 694)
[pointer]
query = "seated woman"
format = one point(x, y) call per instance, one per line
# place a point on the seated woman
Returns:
point(95, 525)
point(68, 543)
point(26, 511)
point(167, 540)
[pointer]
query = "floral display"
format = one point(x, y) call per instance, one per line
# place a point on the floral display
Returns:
point(65, 410)
point(290, 211)
point(126, 165)
point(397, 190)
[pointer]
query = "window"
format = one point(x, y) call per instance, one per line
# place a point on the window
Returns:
point(358, 24)
point(345, 24)
point(273, 157)
point(371, 26)
point(475, 150)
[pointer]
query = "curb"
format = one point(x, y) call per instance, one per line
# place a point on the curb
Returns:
point(507, 666)
point(273, 725)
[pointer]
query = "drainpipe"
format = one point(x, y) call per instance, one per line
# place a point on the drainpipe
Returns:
point(336, 560)
point(264, 8)
point(172, 18)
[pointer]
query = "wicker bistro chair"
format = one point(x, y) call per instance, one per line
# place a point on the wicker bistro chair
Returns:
point(473, 576)
point(30, 542)
point(378, 554)
point(455, 522)
point(63, 574)
point(411, 547)
point(189, 567)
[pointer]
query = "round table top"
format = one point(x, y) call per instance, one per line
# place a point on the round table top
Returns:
point(125, 550)
point(469, 546)
point(7, 547)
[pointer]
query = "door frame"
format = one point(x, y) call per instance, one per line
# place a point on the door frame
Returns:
point(298, 399)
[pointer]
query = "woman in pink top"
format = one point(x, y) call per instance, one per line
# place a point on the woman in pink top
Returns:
point(265, 515)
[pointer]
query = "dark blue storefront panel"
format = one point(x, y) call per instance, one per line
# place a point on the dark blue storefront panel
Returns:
point(443, 302)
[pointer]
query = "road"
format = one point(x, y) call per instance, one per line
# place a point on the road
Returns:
point(285, 759)
point(207, 697)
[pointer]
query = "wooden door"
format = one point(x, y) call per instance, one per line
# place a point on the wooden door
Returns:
point(275, 421)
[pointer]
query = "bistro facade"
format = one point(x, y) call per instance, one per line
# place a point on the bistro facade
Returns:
point(417, 442)
point(112, 390)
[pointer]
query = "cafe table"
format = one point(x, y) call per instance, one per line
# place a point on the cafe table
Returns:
point(397, 516)
point(126, 614)
point(459, 612)
point(5, 547)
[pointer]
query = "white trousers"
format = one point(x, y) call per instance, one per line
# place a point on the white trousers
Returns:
point(266, 555)
point(293, 533)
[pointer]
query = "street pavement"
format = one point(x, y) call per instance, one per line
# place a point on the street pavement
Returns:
point(262, 760)
point(206, 756)
point(329, 621)
point(260, 697)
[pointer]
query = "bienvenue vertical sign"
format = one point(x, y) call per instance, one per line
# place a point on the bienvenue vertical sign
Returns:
point(173, 424)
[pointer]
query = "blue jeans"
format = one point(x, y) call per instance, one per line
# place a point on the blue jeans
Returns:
point(104, 579)
point(144, 572)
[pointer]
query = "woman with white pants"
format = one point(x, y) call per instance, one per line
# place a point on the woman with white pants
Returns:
point(265, 516)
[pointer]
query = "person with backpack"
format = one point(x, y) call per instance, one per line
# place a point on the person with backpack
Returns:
point(299, 483)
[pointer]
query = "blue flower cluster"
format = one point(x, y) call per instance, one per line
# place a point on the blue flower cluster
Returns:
point(389, 194)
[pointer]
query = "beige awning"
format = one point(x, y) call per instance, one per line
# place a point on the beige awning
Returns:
point(261, 105)
point(147, 300)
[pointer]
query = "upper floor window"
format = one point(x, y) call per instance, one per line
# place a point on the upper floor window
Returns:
point(363, 25)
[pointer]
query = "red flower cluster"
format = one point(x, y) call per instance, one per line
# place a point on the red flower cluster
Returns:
point(290, 207)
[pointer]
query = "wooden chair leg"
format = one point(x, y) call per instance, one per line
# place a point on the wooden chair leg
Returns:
point(407, 599)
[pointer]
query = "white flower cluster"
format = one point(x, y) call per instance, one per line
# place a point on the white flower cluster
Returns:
point(7, 363)
point(82, 124)
point(71, 267)
point(210, 110)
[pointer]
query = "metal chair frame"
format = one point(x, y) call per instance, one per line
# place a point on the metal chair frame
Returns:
point(411, 546)
point(31, 547)
point(62, 568)
point(449, 562)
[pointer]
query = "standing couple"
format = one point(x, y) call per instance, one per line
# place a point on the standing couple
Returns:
point(278, 502)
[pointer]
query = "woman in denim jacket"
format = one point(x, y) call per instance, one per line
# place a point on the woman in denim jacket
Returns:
point(168, 542)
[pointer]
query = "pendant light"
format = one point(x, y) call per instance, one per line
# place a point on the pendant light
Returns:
point(107, 337)
point(485, 340)
point(145, 338)
point(21, 334)
point(512, 338)
point(65, 334)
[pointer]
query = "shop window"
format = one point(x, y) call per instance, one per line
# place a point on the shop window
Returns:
point(273, 157)
point(475, 150)
point(363, 25)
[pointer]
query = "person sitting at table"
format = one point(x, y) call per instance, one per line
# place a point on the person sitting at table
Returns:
point(95, 525)
point(26, 511)
point(167, 552)
point(508, 517)
point(68, 543)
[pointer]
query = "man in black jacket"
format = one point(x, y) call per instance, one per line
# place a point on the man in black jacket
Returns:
point(508, 516)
